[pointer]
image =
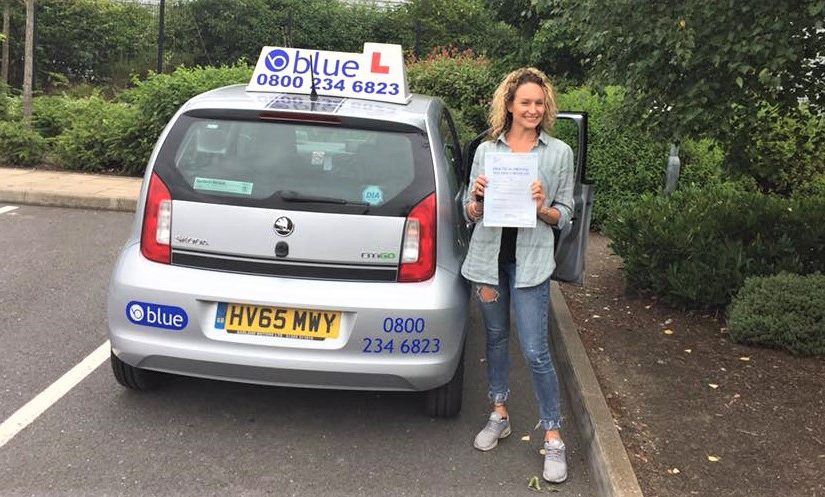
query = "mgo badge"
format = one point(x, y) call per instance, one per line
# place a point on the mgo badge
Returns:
point(376, 74)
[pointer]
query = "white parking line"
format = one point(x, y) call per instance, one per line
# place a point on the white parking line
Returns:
point(7, 208)
point(45, 399)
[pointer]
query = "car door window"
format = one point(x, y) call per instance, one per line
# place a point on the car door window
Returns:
point(451, 148)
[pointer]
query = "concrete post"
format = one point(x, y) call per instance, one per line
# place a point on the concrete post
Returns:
point(674, 167)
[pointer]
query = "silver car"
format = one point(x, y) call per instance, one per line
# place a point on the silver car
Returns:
point(289, 240)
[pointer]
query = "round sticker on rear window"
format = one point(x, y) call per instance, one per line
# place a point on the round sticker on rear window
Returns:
point(372, 195)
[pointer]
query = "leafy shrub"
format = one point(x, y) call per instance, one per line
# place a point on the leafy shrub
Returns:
point(95, 140)
point(695, 248)
point(623, 159)
point(53, 114)
point(20, 145)
point(5, 101)
point(702, 162)
point(783, 152)
point(155, 101)
point(463, 80)
point(784, 311)
point(82, 40)
point(14, 108)
point(215, 32)
point(466, 24)
point(813, 188)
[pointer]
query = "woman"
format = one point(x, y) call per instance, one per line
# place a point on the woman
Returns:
point(514, 264)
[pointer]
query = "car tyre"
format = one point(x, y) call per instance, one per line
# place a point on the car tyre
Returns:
point(445, 401)
point(133, 378)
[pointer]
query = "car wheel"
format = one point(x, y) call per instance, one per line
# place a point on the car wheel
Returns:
point(135, 378)
point(445, 401)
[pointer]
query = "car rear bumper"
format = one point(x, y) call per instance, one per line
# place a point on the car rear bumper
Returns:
point(201, 350)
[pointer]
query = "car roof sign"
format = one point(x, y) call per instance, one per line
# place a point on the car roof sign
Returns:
point(376, 74)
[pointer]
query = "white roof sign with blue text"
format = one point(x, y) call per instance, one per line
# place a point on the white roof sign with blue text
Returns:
point(376, 74)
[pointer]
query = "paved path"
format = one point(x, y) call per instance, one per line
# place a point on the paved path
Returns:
point(66, 189)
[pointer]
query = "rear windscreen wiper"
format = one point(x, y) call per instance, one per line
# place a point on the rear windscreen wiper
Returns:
point(293, 196)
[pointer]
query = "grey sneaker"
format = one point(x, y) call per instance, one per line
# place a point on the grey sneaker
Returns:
point(555, 462)
point(495, 429)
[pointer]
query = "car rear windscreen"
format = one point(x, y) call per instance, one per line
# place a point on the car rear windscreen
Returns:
point(296, 165)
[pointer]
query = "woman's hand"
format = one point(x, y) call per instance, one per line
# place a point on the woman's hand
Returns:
point(538, 195)
point(479, 185)
point(475, 209)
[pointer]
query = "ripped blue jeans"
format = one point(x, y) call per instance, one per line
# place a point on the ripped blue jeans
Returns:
point(531, 307)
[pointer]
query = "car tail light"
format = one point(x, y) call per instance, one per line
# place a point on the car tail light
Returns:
point(157, 222)
point(418, 249)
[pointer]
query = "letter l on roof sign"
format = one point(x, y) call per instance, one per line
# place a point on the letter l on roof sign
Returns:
point(376, 64)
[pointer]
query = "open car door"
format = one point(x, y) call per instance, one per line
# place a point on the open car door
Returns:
point(571, 240)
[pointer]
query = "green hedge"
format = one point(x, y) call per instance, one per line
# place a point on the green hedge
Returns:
point(623, 159)
point(783, 152)
point(51, 115)
point(784, 311)
point(95, 139)
point(695, 248)
point(20, 145)
point(5, 101)
point(464, 81)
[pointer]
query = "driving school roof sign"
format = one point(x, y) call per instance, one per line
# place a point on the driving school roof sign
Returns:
point(376, 74)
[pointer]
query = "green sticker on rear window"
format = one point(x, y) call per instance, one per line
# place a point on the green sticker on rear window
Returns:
point(223, 186)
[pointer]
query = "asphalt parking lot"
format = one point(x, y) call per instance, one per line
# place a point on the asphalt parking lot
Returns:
point(197, 437)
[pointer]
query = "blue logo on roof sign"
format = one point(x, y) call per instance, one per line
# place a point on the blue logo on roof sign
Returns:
point(277, 60)
point(378, 73)
point(157, 315)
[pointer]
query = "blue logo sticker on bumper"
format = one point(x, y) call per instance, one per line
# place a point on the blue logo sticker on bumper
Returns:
point(157, 315)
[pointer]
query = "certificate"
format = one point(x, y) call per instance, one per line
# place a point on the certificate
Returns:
point(508, 198)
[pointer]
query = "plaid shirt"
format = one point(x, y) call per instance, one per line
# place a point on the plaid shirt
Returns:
point(535, 259)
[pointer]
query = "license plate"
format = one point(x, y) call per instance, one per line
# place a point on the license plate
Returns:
point(277, 321)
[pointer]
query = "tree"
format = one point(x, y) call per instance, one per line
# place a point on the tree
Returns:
point(696, 68)
point(5, 40)
point(28, 62)
point(92, 40)
point(461, 24)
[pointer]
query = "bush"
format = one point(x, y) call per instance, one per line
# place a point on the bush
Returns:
point(695, 248)
point(20, 145)
point(5, 101)
point(84, 40)
point(466, 24)
point(702, 162)
point(784, 152)
point(51, 115)
point(785, 311)
point(155, 101)
point(95, 140)
point(623, 159)
point(464, 81)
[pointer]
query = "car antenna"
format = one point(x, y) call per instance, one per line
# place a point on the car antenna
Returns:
point(314, 94)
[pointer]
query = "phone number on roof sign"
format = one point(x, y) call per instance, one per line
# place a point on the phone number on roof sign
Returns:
point(286, 81)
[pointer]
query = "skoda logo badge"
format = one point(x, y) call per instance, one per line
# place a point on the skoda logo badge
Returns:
point(284, 226)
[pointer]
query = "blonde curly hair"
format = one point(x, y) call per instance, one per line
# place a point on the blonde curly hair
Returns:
point(500, 119)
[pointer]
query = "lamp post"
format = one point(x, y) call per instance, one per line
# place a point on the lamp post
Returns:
point(161, 35)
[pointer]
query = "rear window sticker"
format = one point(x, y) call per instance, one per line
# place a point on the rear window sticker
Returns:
point(373, 195)
point(223, 186)
point(317, 158)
